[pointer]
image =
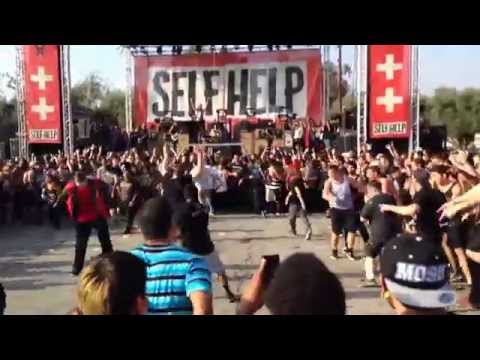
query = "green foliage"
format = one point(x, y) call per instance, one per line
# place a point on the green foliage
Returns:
point(458, 109)
point(94, 94)
point(332, 73)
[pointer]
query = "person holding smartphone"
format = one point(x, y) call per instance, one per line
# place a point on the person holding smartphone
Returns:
point(300, 285)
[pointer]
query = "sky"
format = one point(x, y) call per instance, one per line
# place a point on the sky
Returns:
point(440, 65)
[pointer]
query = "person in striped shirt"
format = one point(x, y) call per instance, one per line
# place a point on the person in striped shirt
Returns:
point(178, 281)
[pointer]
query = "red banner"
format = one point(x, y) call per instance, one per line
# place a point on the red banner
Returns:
point(264, 81)
point(42, 94)
point(389, 91)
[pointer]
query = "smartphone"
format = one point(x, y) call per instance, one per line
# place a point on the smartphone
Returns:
point(271, 264)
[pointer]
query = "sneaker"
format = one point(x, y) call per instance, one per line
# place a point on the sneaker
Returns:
point(126, 232)
point(457, 278)
point(334, 255)
point(369, 283)
point(308, 236)
point(293, 232)
point(264, 213)
point(350, 256)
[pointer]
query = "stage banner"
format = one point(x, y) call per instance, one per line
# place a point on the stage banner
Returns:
point(43, 110)
point(390, 91)
point(264, 81)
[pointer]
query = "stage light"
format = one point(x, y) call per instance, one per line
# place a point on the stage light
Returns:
point(159, 50)
point(198, 48)
point(250, 48)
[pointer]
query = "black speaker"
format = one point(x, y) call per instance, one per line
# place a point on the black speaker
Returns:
point(346, 143)
point(434, 138)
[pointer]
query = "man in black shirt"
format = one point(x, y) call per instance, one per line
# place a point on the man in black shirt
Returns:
point(173, 188)
point(383, 226)
point(192, 220)
point(426, 203)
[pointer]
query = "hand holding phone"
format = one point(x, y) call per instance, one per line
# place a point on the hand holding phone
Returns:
point(271, 264)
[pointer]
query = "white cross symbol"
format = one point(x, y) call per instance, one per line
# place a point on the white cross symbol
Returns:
point(41, 78)
point(43, 109)
point(389, 67)
point(389, 100)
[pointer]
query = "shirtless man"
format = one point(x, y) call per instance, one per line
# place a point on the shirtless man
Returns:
point(375, 174)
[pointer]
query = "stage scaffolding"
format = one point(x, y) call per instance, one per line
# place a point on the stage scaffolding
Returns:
point(65, 84)
point(361, 87)
point(22, 131)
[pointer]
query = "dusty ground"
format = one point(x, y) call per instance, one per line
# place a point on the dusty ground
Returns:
point(35, 262)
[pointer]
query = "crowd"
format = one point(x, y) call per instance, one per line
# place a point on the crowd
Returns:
point(416, 213)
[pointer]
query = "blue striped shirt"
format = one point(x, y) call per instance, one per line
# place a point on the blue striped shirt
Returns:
point(173, 273)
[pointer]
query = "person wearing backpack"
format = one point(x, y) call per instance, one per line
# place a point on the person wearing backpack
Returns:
point(88, 204)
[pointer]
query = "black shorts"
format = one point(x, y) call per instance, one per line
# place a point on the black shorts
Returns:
point(457, 235)
point(343, 220)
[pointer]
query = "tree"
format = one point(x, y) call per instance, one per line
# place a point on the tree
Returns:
point(89, 92)
point(113, 104)
point(93, 93)
point(331, 71)
point(458, 110)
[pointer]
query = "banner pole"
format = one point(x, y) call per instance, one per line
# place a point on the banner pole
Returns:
point(68, 133)
point(128, 93)
point(21, 118)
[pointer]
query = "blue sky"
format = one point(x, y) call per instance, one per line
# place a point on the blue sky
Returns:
point(440, 65)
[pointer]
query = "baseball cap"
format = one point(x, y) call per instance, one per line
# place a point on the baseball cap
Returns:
point(416, 272)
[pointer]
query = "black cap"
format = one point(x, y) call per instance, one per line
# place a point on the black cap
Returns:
point(416, 272)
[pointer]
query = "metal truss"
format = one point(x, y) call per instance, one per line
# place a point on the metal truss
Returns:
point(152, 50)
point(414, 141)
point(361, 88)
point(129, 92)
point(22, 128)
point(326, 83)
point(68, 135)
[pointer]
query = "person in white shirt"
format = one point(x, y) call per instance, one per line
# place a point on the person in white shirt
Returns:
point(203, 175)
point(298, 137)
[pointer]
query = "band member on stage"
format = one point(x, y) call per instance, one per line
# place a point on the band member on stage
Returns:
point(270, 133)
point(88, 203)
point(173, 134)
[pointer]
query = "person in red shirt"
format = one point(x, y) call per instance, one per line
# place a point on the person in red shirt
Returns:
point(88, 205)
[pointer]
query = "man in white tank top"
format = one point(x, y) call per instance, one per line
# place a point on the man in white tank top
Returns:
point(337, 191)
